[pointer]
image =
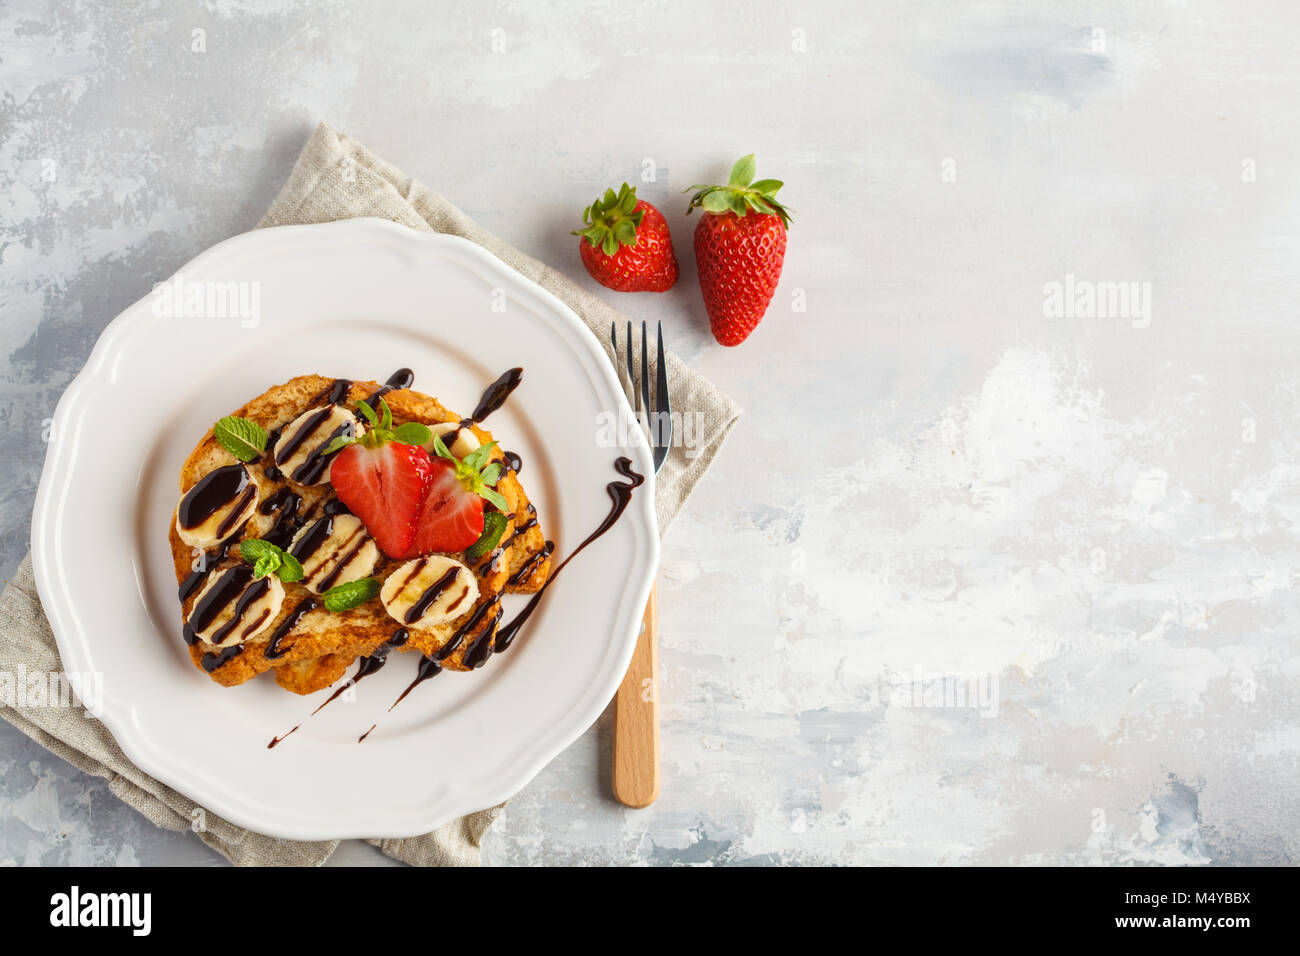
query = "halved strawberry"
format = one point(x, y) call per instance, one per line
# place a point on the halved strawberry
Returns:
point(452, 517)
point(384, 478)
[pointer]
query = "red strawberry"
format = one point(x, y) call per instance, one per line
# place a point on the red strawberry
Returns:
point(384, 487)
point(740, 248)
point(625, 244)
point(452, 516)
point(451, 519)
point(384, 477)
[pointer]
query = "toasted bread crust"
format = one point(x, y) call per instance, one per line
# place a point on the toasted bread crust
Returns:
point(320, 646)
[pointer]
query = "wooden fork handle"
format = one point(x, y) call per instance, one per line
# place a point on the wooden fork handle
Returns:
point(636, 720)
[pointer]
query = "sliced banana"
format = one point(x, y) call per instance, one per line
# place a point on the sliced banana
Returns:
point(462, 443)
point(429, 591)
point(333, 550)
point(300, 451)
point(216, 506)
point(234, 608)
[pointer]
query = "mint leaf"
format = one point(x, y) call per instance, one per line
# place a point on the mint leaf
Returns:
point(253, 550)
point(290, 568)
point(267, 558)
point(344, 597)
point(743, 172)
point(265, 565)
point(494, 525)
point(244, 439)
point(412, 433)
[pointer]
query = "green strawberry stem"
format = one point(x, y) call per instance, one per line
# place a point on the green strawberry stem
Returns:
point(382, 431)
point(742, 194)
point(476, 472)
point(611, 221)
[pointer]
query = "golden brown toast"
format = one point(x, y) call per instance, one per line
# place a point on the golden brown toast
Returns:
point(307, 646)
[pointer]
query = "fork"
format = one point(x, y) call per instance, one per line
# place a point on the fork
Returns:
point(636, 707)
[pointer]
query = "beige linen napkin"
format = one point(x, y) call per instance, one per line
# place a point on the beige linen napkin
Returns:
point(335, 178)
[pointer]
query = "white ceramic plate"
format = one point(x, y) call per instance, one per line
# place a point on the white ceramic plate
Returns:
point(356, 299)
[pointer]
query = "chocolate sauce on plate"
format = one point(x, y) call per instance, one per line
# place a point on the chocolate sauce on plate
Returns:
point(276, 740)
point(370, 664)
point(496, 394)
point(491, 637)
point(428, 668)
point(620, 496)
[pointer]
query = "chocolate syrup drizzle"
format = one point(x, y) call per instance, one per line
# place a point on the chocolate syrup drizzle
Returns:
point(428, 668)
point(273, 649)
point(286, 502)
point(338, 392)
point(276, 740)
point(229, 586)
point(496, 394)
point(212, 661)
point(314, 465)
point(334, 508)
point(620, 496)
point(483, 645)
point(399, 380)
point(369, 665)
point(208, 564)
point(214, 491)
point(434, 591)
point(449, 438)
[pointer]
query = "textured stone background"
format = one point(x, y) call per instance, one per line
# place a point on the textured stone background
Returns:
point(932, 477)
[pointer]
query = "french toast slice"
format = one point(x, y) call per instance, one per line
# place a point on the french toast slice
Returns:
point(307, 646)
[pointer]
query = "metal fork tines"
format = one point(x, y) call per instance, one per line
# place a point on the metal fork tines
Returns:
point(655, 420)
